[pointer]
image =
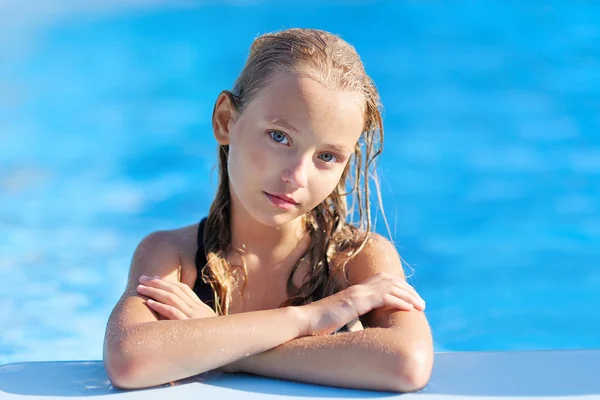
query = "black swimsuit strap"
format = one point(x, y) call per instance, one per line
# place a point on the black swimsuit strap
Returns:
point(202, 289)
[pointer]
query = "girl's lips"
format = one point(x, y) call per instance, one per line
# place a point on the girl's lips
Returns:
point(281, 203)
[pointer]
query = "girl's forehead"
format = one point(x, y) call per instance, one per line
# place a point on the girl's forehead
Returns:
point(306, 104)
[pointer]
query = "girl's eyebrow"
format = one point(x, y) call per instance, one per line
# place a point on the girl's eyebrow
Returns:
point(339, 149)
point(284, 124)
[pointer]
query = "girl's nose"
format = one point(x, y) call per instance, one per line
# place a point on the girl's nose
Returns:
point(297, 172)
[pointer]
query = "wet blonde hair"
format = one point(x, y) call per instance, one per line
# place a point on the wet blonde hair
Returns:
point(333, 240)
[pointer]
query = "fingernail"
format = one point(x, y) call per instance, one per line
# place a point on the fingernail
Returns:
point(144, 278)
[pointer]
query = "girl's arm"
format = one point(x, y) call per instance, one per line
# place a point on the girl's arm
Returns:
point(366, 359)
point(394, 353)
point(142, 351)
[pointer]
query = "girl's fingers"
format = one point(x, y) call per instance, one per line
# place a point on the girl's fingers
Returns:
point(408, 287)
point(166, 310)
point(168, 286)
point(188, 291)
point(392, 301)
point(402, 283)
point(162, 296)
point(408, 297)
point(386, 278)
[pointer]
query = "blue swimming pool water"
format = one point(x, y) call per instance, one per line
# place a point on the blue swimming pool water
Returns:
point(491, 167)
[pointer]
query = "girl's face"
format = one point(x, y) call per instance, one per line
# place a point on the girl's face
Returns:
point(292, 141)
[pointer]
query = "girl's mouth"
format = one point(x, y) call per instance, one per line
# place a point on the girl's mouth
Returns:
point(281, 202)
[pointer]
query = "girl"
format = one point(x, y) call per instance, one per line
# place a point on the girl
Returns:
point(259, 285)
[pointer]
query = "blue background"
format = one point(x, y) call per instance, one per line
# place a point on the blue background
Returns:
point(490, 173)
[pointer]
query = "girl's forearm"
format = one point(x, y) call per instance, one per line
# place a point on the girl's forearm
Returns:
point(153, 353)
point(366, 359)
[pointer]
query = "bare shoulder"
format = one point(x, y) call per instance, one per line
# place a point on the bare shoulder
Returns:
point(378, 255)
point(167, 253)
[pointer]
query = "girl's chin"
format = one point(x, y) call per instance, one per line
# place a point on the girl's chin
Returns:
point(274, 219)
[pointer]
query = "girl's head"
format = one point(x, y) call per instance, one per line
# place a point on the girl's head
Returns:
point(302, 122)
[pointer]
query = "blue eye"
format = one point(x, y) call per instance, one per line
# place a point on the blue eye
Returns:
point(278, 137)
point(328, 157)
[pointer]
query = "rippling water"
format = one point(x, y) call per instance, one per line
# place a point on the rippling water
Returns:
point(491, 165)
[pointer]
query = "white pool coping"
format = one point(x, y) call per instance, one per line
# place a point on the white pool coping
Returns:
point(561, 374)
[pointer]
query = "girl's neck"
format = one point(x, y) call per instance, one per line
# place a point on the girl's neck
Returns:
point(268, 243)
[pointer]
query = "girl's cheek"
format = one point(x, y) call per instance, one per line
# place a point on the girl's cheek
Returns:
point(260, 155)
point(332, 180)
point(247, 152)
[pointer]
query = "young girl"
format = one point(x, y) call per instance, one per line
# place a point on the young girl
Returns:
point(276, 267)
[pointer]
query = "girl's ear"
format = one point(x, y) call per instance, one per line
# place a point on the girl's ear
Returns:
point(223, 114)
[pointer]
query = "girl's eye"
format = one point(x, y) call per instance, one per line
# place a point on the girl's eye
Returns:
point(278, 137)
point(328, 157)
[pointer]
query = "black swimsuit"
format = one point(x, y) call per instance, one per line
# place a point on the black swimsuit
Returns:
point(203, 290)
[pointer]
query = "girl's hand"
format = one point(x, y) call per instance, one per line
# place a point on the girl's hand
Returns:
point(172, 300)
point(381, 290)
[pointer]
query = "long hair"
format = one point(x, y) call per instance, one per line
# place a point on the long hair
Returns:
point(334, 240)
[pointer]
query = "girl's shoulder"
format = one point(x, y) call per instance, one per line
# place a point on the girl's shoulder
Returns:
point(379, 254)
point(181, 240)
point(172, 252)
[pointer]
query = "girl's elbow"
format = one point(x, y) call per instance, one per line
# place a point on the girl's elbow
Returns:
point(412, 373)
point(123, 369)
